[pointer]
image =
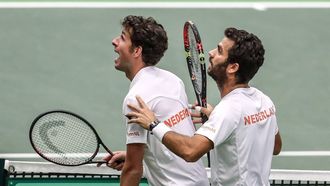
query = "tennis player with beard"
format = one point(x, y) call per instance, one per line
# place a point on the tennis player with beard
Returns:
point(242, 131)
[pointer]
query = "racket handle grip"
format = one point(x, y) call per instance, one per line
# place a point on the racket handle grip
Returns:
point(99, 161)
point(204, 118)
point(120, 161)
point(103, 161)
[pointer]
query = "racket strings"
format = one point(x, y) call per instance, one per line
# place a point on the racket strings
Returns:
point(196, 70)
point(64, 139)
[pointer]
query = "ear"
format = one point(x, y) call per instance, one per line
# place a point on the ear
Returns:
point(137, 51)
point(232, 68)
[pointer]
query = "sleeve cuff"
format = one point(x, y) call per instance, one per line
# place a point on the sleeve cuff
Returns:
point(160, 130)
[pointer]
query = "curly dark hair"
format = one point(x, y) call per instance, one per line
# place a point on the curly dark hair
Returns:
point(148, 34)
point(247, 51)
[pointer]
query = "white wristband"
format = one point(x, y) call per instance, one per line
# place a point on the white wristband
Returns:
point(198, 108)
point(160, 131)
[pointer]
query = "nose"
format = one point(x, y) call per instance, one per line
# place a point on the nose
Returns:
point(211, 53)
point(115, 41)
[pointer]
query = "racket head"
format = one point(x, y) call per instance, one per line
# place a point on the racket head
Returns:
point(64, 138)
point(195, 61)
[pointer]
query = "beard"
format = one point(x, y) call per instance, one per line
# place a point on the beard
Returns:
point(218, 73)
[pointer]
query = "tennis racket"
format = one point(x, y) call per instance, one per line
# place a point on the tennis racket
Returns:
point(196, 62)
point(65, 138)
point(196, 65)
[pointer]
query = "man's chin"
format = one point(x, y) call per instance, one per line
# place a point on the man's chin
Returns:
point(209, 70)
point(117, 67)
point(211, 74)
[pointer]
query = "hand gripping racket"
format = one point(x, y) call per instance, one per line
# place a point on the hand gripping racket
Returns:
point(196, 62)
point(65, 138)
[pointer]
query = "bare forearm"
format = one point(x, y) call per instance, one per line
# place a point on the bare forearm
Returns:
point(190, 149)
point(278, 144)
point(130, 177)
point(133, 166)
point(177, 144)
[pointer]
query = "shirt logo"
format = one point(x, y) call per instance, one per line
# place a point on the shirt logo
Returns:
point(208, 128)
point(176, 118)
point(134, 133)
point(260, 116)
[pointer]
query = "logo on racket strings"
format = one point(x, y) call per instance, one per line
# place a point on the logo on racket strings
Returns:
point(45, 135)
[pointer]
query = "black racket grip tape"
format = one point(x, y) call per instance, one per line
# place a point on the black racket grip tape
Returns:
point(120, 161)
point(204, 118)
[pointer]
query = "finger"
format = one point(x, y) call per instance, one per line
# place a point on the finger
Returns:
point(131, 115)
point(142, 104)
point(111, 165)
point(133, 121)
point(115, 165)
point(115, 160)
point(195, 114)
point(133, 108)
point(201, 109)
point(197, 121)
point(119, 167)
point(106, 158)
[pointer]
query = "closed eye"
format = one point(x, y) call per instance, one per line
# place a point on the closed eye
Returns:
point(220, 49)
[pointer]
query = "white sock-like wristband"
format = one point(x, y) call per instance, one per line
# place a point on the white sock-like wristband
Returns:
point(160, 130)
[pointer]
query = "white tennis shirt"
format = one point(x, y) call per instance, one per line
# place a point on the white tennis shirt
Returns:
point(242, 127)
point(165, 95)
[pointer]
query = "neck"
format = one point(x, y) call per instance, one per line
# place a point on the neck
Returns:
point(227, 88)
point(134, 70)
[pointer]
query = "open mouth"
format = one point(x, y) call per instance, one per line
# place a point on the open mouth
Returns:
point(116, 56)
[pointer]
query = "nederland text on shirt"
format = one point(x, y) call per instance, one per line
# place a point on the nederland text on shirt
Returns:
point(260, 116)
point(176, 118)
point(170, 122)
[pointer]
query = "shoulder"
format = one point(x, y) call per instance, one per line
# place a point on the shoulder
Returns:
point(263, 95)
point(230, 103)
point(227, 110)
point(169, 74)
point(154, 75)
